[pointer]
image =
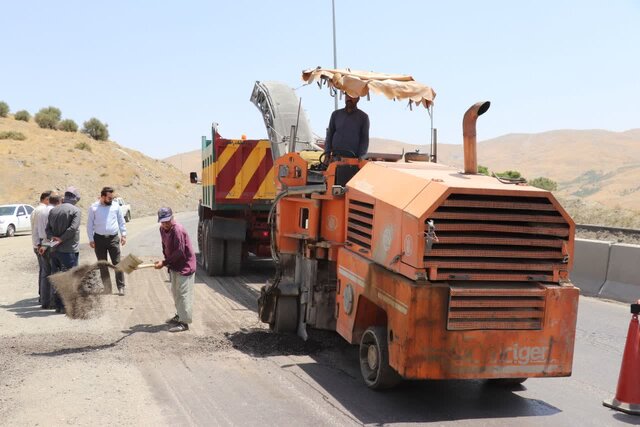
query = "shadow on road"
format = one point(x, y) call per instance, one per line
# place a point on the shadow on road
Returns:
point(144, 328)
point(28, 308)
point(336, 370)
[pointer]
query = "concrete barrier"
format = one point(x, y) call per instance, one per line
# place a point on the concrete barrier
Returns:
point(590, 265)
point(623, 274)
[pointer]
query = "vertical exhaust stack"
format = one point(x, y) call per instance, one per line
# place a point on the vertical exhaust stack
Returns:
point(469, 135)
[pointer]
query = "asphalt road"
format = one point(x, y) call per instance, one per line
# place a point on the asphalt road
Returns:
point(229, 370)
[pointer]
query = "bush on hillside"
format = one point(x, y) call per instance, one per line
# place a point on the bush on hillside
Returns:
point(96, 129)
point(83, 146)
point(509, 174)
point(68, 125)
point(48, 118)
point(4, 109)
point(18, 136)
point(22, 115)
point(544, 183)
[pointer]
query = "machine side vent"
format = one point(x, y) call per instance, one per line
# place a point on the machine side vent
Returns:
point(360, 223)
point(486, 306)
point(493, 237)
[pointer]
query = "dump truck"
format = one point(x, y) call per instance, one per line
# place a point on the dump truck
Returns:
point(434, 272)
point(238, 182)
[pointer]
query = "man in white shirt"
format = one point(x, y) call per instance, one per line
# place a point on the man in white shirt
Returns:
point(104, 222)
point(38, 235)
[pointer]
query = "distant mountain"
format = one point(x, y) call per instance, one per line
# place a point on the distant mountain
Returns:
point(49, 159)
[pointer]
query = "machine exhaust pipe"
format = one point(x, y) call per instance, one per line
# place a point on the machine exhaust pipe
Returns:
point(469, 135)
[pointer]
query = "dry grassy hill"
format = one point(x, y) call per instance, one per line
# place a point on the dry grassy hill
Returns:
point(50, 159)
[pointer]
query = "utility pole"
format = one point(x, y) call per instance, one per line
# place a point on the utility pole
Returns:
point(335, 55)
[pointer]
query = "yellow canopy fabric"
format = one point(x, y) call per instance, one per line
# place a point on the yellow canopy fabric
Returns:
point(360, 83)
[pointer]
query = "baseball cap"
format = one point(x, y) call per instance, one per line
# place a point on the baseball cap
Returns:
point(72, 193)
point(164, 214)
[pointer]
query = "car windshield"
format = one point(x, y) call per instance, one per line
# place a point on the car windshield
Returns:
point(7, 210)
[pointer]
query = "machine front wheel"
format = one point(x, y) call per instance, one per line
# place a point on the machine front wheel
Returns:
point(286, 317)
point(374, 360)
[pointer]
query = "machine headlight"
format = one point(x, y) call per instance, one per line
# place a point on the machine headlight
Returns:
point(1, 220)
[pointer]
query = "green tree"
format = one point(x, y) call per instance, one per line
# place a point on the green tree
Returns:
point(96, 129)
point(48, 118)
point(544, 183)
point(4, 109)
point(483, 170)
point(22, 115)
point(509, 174)
point(68, 125)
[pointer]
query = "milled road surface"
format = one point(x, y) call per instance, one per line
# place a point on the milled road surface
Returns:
point(124, 368)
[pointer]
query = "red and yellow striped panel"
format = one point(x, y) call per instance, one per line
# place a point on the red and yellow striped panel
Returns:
point(243, 171)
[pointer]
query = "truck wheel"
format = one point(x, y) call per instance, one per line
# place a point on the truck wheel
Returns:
point(215, 256)
point(11, 231)
point(374, 360)
point(127, 217)
point(200, 236)
point(233, 257)
point(203, 245)
point(286, 318)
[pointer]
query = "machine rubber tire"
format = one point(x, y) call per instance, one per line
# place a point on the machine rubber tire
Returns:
point(286, 317)
point(127, 217)
point(506, 382)
point(233, 257)
point(374, 360)
point(11, 231)
point(215, 256)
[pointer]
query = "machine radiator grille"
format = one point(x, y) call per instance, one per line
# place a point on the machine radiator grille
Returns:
point(486, 306)
point(489, 237)
point(360, 223)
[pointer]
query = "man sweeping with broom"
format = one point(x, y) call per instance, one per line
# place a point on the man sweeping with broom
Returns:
point(181, 261)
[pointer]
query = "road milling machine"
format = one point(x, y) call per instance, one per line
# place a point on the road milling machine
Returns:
point(435, 273)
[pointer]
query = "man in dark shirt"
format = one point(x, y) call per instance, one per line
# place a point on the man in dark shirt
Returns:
point(180, 258)
point(348, 130)
point(63, 229)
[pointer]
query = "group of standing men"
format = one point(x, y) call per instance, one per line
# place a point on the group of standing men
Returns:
point(56, 242)
point(56, 238)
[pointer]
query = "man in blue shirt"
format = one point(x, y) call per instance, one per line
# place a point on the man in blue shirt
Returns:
point(104, 222)
point(348, 130)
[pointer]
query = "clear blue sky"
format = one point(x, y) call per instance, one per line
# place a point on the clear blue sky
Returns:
point(159, 72)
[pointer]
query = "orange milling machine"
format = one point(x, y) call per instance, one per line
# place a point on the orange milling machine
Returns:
point(435, 273)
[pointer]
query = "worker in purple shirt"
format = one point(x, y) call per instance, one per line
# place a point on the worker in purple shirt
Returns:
point(348, 131)
point(180, 258)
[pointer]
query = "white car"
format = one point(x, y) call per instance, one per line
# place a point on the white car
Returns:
point(125, 208)
point(15, 219)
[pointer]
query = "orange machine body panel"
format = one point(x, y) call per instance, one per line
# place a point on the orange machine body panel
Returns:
point(423, 346)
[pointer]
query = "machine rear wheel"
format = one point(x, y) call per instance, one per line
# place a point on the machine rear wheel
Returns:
point(374, 360)
point(286, 318)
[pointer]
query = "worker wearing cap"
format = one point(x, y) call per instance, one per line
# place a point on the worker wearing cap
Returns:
point(180, 258)
point(63, 229)
point(348, 131)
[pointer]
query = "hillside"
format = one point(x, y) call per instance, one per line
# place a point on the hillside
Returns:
point(50, 159)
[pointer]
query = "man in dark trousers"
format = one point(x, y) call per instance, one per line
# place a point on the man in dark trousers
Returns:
point(104, 222)
point(348, 131)
point(63, 229)
point(181, 260)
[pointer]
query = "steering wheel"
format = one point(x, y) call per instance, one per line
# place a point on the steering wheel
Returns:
point(331, 154)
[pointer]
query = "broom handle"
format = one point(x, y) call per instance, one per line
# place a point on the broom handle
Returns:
point(145, 266)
